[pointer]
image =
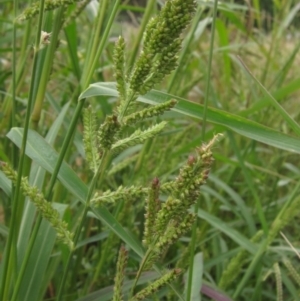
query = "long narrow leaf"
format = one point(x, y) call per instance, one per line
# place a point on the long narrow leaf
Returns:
point(43, 154)
point(240, 125)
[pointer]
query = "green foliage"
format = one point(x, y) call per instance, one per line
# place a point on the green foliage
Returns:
point(119, 163)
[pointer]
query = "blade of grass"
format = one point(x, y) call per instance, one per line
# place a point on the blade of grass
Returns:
point(197, 205)
point(5, 281)
point(240, 204)
point(250, 184)
point(229, 231)
point(47, 159)
point(288, 119)
point(35, 264)
point(238, 124)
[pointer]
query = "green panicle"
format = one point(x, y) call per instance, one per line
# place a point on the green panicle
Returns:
point(74, 15)
point(174, 231)
point(44, 207)
point(121, 193)
point(121, 165)
point(162, 43)
point(295, 275)
point(278, 281)
point(192, 175)
point(284, 219)
point(156, 285)
point(107, 132)
point(90, 139)
point(171, 209)
point(138, 137)
point(34, 9)
point(234, 267)
point(173, 219)
point(149, 112)
point(120, 275)
point(152, 207)
point(119, 67)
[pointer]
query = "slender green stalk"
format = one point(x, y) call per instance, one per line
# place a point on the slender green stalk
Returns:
point(26, 258)
point(102, 43)
point(291, 122)
point(139, 273)
point(250, 185)
point(22, 55)
point(138, 38)
point(47, 66)
point(95, 179)
point(13, 120)
point(94, 39)
point(63, 151)
point(62, 154)
point(194, 229)
point(4, 286)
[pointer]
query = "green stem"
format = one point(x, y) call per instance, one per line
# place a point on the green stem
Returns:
point(194, 229)
point(102, 43)
point(97, 175)
point(138, 275)
point(14, 123)
point(94, 40)
point(47, 67)
point(26, 258)
point(4, 287)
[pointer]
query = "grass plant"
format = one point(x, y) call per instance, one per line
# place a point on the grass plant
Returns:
point(157, 162)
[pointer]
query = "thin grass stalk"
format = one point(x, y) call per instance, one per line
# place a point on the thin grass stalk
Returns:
point(94, 40)
point(269, 57)
point(139, 273)
point(106, 250)
point(14, 123)
point(281, 75)
point(47, 66)
point(95, 179)
point(52, 181)
point(138, 38)
point(62, 154)
point(184, 52)
point(263, 247)
point(207, 88)
point(4, 286)
point(284, 114)
point(258, 205)
point(26, 258)
point(23, 54)
point(102, 44)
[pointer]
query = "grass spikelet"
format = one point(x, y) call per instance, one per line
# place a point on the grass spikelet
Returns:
point(74, 15)
point(156, 285)
point(234, 267)
point(138, 137)
point(119, 67)
point(149, 112)
point(120, 275)
point(44, 207)
point(113, 196)
point(292, 270)
point(34, 8)
point(278, 282)
point(152, 207)
point(90, 139)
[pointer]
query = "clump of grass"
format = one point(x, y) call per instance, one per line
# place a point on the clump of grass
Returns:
point(144, 164)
